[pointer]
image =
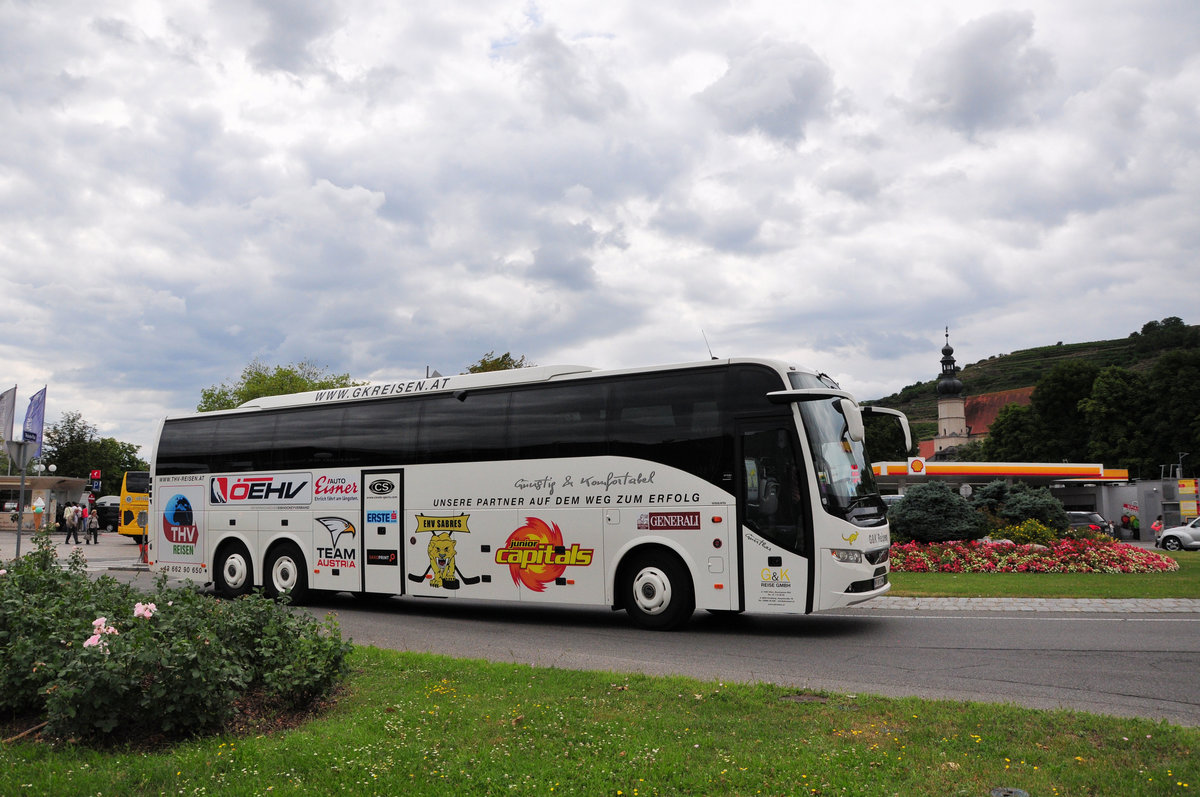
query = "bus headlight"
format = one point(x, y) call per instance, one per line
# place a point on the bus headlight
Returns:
point(847, 556)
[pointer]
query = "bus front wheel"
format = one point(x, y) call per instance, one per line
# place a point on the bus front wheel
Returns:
point(286, 573)
point(234, 576)
point(658, 591)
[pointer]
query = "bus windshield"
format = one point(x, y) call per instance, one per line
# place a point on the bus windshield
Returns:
point(844, 476)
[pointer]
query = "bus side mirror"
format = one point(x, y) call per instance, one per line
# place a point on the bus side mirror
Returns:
point(900, 417)
point(854, 420)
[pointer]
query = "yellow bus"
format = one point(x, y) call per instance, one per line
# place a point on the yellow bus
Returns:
point(135, 504)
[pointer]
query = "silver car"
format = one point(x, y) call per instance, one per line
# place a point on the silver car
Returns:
point(1180, 538)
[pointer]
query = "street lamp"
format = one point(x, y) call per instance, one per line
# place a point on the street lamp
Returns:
point(40, 469)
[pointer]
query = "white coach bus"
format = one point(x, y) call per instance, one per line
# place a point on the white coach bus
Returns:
point(730, 486)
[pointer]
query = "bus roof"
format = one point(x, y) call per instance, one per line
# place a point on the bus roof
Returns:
point(451, 384)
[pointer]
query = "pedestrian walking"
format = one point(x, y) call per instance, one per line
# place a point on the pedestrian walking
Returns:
point(1157, 526)
point(71, 519)
point(93, 527)
point(1135, 523)
point(83, 523)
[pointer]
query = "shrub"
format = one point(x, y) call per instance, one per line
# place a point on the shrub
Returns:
point(101, 661)
point(1030, 532)
point(1011, 505)
point(932, 512)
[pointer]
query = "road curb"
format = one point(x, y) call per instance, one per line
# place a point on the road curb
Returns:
point(1071, 605)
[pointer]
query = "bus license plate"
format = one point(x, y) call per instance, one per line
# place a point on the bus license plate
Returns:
point(880, 581)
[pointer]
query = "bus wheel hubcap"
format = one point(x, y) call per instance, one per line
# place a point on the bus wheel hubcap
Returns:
point(285, 574)
point(235, 571)
point(652, 590)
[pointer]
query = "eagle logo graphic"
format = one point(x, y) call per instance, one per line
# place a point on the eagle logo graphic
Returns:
point(337, 528)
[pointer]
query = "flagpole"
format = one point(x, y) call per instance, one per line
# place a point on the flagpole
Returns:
point(21, 505)
point(30, 447)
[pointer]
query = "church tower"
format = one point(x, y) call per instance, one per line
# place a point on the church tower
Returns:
point(952, 404)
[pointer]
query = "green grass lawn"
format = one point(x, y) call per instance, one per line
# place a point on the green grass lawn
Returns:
point(1183, 583)
point(410, 723)
point(422, 724)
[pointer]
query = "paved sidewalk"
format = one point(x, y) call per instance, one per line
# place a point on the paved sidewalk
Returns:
point(1107, 605)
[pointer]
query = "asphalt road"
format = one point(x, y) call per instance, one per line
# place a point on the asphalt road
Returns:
point(1136, 665)
point(1128, 664)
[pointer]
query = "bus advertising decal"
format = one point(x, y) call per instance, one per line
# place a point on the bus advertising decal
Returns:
point(382, 487)
point(334, 488)
point(374, 391)
point(179, 525)
point(388, 557)
point(336, 555)
point(190, 479)
point(776, 586)
point(293, 488)
point(536, 556)
point(669, 521)
point(443, 570)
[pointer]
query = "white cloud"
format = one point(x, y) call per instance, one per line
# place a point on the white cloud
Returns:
point(773, 88)
point(984, 75)
point(383, 187)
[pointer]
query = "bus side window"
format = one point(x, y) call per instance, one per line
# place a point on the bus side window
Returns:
point(771, 489)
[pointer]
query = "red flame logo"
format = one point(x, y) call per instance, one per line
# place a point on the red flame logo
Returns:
point(535, 534)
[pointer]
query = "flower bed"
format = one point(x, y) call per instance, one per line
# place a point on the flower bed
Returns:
point(1065, 556)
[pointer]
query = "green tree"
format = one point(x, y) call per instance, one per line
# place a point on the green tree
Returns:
point(971, 451)
point(1169, 333)
point(1116, 414)
point(1025, 502)
point(74, 447)
point(1062, 428)
point(1173, 422)
point(490, 362)
point(258, 380)
point(1013, 436)
point(932, 512)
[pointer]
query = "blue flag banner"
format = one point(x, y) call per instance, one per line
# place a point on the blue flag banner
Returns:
point(34, 420)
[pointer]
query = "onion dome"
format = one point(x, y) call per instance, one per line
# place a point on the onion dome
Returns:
point(949, 384)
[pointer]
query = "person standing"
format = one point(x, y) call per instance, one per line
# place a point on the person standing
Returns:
point(1136, 524)
point(1157, 526)
point(83, 522)
point(71, 519)
point(93, 527)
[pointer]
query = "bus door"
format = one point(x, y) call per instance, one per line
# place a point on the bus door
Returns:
point(382, 525)
point(773, 517)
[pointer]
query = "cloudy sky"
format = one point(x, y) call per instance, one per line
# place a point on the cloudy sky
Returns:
point(383, 187)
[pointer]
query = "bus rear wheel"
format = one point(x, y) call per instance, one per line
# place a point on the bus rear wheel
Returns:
point(657, 591)
point(234, 576)
point(286, 573)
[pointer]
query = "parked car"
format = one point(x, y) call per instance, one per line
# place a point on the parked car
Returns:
point(1179, 538)
point(1093, 521)
point(108, 510)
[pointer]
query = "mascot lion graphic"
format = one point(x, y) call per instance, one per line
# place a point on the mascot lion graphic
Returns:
point(441, 561)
